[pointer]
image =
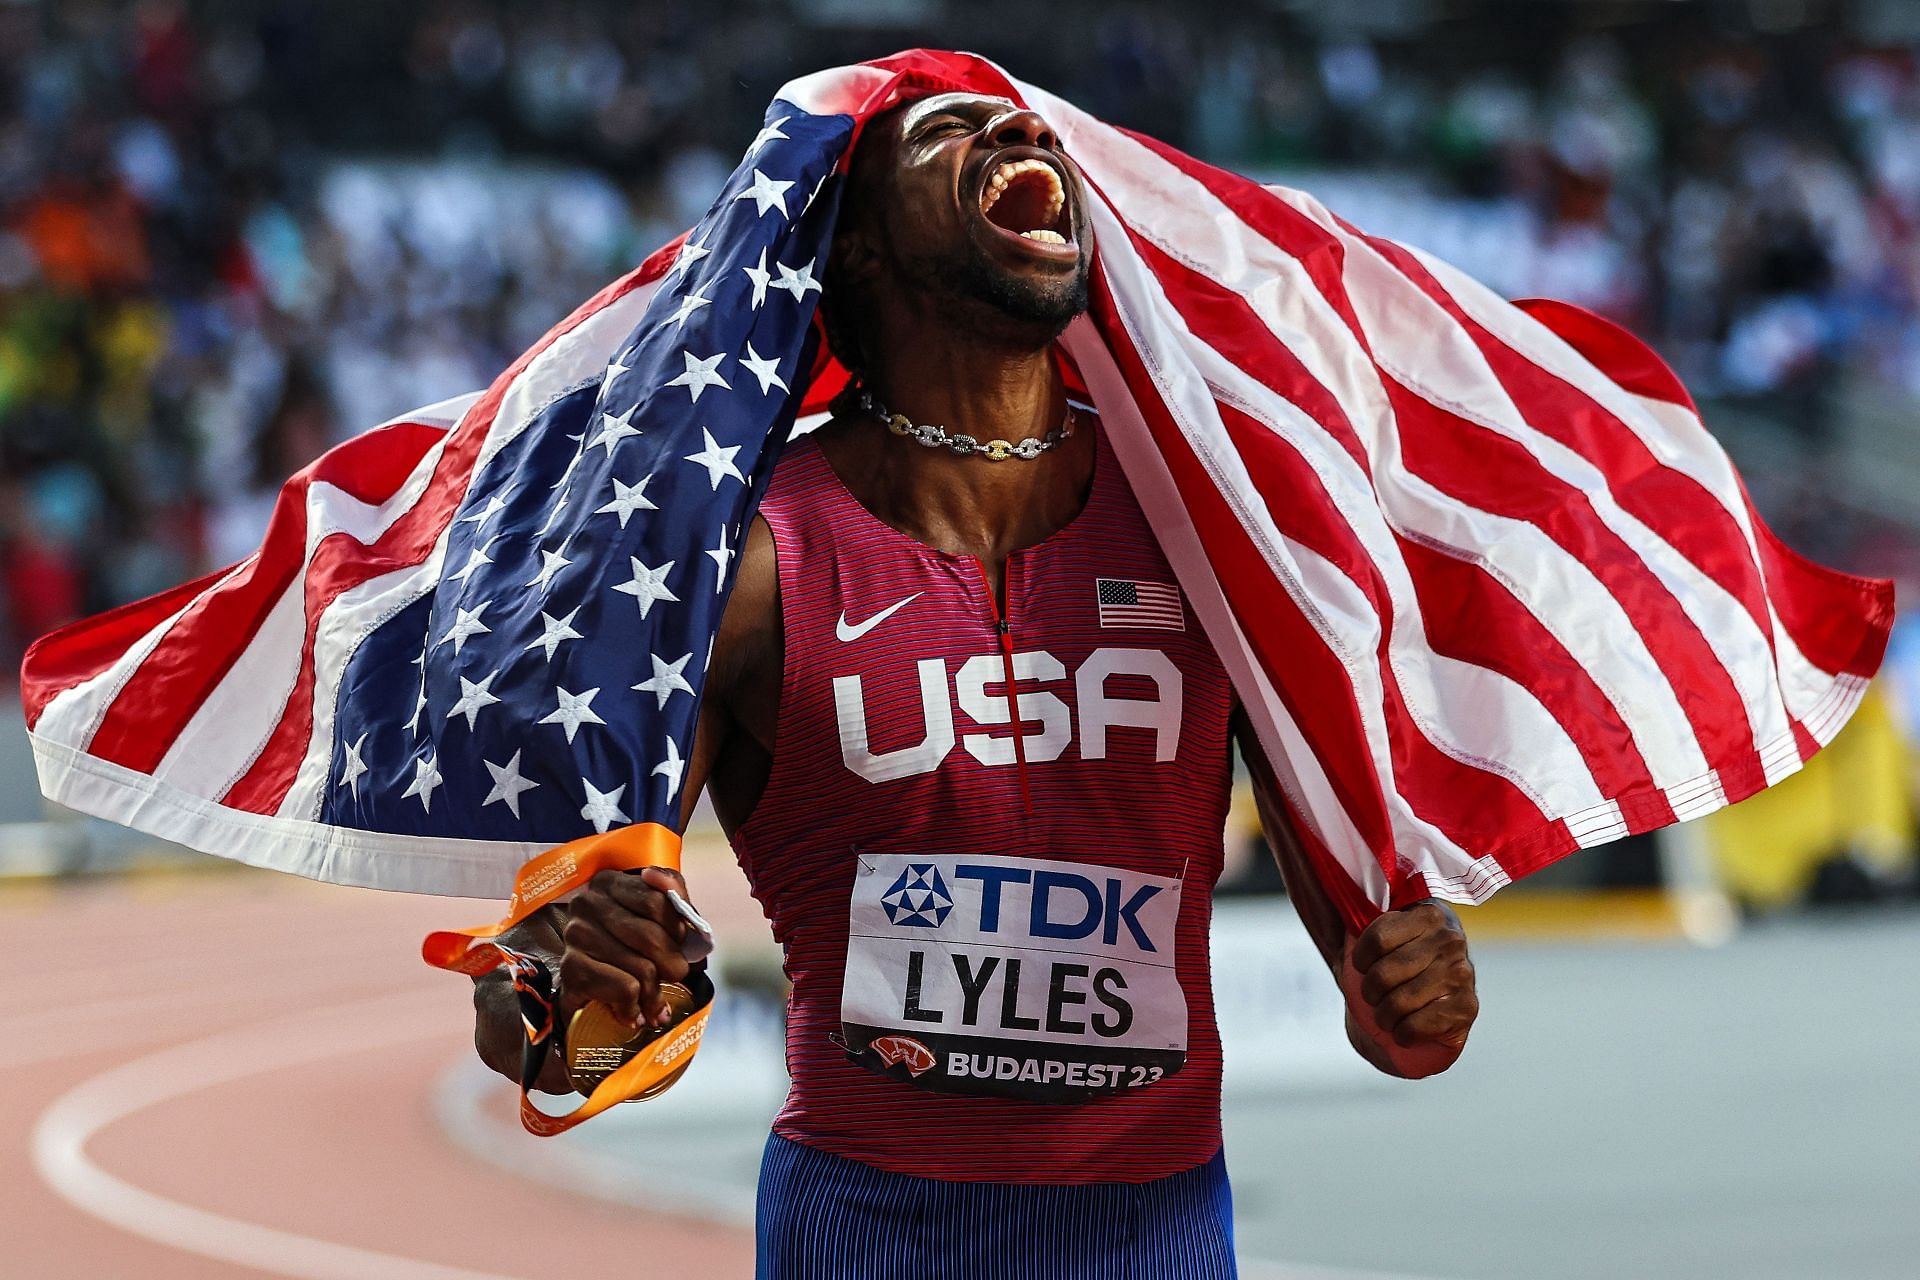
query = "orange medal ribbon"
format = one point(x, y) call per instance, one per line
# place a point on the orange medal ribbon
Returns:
point(545, 879)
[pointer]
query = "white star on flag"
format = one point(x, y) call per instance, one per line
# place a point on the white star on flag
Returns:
point(700, 375)
point(766, 193)
point(612, 431)
point(507, 784)
point(575, 709)
point(721, 554)
point(759, 275)
point(602, 808)
point(473, 696)
point(765, 368)
point(796, 281)
point(666, 680)
point(690, 304)
point(673, 766)
point(466, 624)
point(350, 771)
point(690, 252)
point(476, 556)
point(648, 585)
point(768, 134)
point(717, 461)
point(426, 776)
point(551, 562)
point(554, 631)
point(485, 513)
point(627, 499)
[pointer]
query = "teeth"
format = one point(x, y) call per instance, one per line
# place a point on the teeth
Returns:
point(1044, 236)
point(1006, 173)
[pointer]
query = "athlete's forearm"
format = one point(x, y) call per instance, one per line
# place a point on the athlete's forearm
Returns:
point(498, 1035)
point(1310, 900)
point(1407, 980)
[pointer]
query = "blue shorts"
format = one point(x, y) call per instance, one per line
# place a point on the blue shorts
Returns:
point(825, 1217)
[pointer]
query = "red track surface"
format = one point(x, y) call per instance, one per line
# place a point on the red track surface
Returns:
point(237, 1070)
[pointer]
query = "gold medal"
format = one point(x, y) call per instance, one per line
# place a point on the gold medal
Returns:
point(598, 1044)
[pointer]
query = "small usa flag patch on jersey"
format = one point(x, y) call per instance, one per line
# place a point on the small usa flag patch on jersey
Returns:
point(1126, 603)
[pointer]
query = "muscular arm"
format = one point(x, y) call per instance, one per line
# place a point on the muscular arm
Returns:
point(1407, 978)
point(617, 940)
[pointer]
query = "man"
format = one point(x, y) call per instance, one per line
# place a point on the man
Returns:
point(964, 735)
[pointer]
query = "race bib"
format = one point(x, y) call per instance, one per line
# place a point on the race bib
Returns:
point(1018, 977)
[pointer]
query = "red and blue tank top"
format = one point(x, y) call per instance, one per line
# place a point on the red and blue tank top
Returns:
point(988, 845)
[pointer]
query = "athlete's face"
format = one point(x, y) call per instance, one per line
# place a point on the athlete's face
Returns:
point(971, 202)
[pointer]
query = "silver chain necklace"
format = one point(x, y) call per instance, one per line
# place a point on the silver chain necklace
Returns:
point(937, 437)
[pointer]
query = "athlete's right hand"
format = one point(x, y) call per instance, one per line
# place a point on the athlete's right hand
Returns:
point(623, 939)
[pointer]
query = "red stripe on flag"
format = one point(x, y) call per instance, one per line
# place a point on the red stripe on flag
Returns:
point(1674, 505)
point(153, 707)
point(82, 650)
point(1229, 324)
point(1467, 613)
point(1611, 349)
point(1472, 616)
point(1303, 510)
point(1319, 251)
point(1485, 469)
point(1838, 620)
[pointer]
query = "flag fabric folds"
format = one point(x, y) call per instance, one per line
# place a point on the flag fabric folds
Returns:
point(1487, 588)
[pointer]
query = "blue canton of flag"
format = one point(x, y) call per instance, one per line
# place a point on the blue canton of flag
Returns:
point(546, 685)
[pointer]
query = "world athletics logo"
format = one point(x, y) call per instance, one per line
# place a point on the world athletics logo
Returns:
point(918, 898)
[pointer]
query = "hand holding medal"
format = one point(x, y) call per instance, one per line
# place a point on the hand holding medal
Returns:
point(628, 977)
point(633, 1006)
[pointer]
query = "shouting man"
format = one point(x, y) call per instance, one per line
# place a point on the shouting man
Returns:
point(973, 752)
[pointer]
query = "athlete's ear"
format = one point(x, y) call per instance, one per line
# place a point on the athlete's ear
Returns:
point(855, 256)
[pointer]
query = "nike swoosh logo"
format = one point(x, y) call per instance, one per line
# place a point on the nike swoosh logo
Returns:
point(848, 634)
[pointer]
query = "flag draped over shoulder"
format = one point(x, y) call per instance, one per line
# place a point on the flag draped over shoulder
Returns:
point(1488, 590)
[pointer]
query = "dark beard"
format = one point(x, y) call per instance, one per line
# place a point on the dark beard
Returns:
point(1035, 313)
point(1054, 304)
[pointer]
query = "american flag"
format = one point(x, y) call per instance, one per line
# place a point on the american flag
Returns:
point(1487, 588)
point(1125, 603)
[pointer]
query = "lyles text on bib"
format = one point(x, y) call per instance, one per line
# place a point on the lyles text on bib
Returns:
point(1016, 977)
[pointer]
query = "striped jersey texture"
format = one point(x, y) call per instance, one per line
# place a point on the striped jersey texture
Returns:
point(1117, 788)
point(1486, 586)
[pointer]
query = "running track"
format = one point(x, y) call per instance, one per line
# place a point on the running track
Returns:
point(230, 1075)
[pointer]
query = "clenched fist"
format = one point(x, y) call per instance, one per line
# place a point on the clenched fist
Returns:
point(1410, 990)
point(623, 939)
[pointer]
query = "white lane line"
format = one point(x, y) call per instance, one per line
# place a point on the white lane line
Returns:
point(60, 1138)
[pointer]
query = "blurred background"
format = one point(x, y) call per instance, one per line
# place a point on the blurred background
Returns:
point(234, 233)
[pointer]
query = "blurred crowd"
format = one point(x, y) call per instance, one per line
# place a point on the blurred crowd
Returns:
point(232, 234)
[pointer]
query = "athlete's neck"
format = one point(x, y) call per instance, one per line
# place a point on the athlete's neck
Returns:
point(969, 505)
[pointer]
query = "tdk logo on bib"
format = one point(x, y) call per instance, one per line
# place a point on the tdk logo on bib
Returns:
point(919, 897)
point(1023, 977)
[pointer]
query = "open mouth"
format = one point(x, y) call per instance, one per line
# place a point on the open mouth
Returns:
point(1028, 199)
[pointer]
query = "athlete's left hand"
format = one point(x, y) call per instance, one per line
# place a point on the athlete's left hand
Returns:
point(1411, 998)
